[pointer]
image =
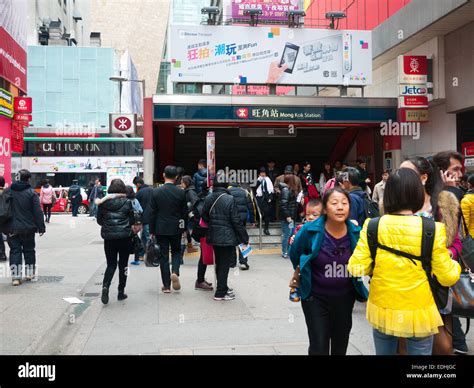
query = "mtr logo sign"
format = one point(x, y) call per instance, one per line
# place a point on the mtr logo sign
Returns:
point(122, 123)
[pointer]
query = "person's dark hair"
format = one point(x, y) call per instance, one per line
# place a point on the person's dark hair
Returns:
point(353, 175)
point(117, 187)
point(135, 180)
point(290, 180)
point(443, 159)
point(130, 192)
point(262, 169)
point(46, 183)
point(433, 185)
point(464, 178)
point(314, 202)
point(25, 175)
point(328, 194)
point(306, 163)
point(2, 181)
point(361, 160)
point(470, 180)
point(171, 172)
point(187, 180)
point(386, 171)
point(327, 175)
point(202, 162)
point(403, 191)
point(139, 181)
point(180, 170)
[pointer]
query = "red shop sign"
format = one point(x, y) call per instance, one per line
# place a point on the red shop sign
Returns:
point(23, 105)
point(17, 139)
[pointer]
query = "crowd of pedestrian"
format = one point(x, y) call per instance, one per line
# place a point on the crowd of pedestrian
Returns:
point(407, 237)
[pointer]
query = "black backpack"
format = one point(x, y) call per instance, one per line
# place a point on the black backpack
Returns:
point(440, 293)
point(371, 208)
point(5, 207)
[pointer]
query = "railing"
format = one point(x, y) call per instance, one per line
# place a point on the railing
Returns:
point(259, 225)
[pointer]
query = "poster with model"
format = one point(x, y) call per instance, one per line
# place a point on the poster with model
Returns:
point(270, 55)
point(211, 157)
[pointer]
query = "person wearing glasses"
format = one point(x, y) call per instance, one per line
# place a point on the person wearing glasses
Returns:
point(322, 249)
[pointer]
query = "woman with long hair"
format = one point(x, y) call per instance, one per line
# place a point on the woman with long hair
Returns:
point(401, 303)
point(325, 176)
point(47, 199)
point(442, 206)
point(116, 217)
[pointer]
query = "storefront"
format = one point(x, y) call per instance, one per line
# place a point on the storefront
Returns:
point(252, 130)
point(61, 160)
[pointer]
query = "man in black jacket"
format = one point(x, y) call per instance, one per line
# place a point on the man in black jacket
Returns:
point(144, 194)
point(245, 208)
point(167, 222)
point(27, 219)
point(225, 232)
point(75, 197)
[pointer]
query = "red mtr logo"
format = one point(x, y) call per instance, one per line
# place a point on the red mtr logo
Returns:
point(122, 124)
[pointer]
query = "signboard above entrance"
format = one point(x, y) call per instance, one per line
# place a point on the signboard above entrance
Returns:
point(270, 55)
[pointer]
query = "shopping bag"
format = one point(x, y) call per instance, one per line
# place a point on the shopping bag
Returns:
point(207, 252)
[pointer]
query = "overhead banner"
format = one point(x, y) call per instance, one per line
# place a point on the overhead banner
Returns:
point(13, 35)
point(271, 9)
point(79, 164)
point(270, 55)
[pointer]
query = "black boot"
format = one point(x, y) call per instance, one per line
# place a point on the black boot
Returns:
point(122, 295)
point(105, 295)
point(267, 232)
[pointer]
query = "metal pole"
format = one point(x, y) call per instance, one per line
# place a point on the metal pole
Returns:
point(120, 97)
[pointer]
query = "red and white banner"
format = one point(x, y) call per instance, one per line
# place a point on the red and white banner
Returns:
point(23, 105)
point(13, 35)
point(413, 69)
point(413, 101)
point(5, 149)
point(17, 136)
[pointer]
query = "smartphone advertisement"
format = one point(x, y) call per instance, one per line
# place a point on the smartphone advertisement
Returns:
point(270, 55)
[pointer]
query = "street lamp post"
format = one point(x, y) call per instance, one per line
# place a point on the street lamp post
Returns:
point(121, 79)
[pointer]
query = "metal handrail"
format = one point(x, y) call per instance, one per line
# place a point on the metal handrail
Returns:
point(259, 225)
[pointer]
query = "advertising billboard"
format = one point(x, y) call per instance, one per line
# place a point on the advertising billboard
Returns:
point(270, 55)
point(271, 9)
point(13, 35)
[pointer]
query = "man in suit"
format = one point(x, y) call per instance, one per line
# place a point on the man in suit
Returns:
point(167, 222)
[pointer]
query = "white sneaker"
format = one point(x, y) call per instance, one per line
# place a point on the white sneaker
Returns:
point(226, 297)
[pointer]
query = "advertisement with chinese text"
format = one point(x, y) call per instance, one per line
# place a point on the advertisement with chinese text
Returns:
point(270, 55)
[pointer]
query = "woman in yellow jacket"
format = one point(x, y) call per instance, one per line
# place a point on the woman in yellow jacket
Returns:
point(400, 300)
point(467, 206)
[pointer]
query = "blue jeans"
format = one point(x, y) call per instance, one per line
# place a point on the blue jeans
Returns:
point(287, 232)
point(93, 209)
point(386, 345)
point(145, 237)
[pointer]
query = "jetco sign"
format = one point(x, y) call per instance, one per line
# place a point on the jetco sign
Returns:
point(412, 90)
point(124, 124)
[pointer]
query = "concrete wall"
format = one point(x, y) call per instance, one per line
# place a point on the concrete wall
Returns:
point(54, 10)
point(439, 134)
point(139, 26)
point(385, 77)
point(460, 65)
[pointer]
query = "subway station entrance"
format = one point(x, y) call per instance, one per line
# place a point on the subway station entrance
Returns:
point(251, 130)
